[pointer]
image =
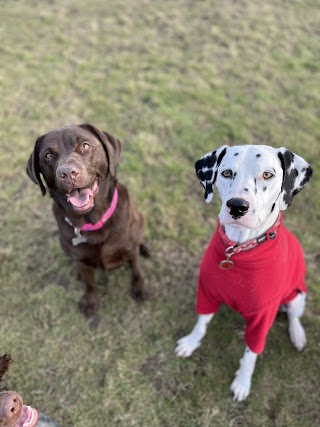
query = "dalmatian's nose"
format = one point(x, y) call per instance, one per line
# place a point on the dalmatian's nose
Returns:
point(238, 207)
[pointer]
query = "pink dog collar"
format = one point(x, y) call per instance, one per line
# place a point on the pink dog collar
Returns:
point(93, 227)
point(107, 215)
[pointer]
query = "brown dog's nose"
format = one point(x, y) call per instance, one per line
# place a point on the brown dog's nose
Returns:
point(69, 172)
point(238, 207)
point(10, 406)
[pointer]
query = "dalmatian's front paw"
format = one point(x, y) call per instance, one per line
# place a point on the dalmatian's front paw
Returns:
point(297, 333)
point(241, 386)
point(187, 345)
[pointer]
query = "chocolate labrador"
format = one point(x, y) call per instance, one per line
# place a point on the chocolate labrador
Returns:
point(13, 413)
point(99, 225)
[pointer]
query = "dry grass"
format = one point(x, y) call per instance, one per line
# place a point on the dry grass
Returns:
point(172, 79)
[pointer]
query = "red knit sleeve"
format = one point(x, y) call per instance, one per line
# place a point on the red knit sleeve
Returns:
point(258, 325)
point(206, 303)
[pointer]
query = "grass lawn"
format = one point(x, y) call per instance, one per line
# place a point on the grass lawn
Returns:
point(172, 80)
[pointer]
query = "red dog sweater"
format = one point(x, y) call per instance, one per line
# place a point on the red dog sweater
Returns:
point(262, 278)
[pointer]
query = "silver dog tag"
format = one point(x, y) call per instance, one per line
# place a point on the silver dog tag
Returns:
point(79, 238)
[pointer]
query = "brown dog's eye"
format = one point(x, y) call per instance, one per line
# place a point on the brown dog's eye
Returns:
point(227, 173)
point(267, 175)
point(85, 146)
point(48, 155)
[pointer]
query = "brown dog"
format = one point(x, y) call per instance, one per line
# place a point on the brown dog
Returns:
point(99, 225)
point(13, 413)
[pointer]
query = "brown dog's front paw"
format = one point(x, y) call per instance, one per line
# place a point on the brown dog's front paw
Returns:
point(145, 251)
point(88, 305)
point(139, 292)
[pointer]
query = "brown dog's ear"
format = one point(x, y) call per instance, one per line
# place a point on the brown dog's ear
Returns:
point(5, 362)
point(33, 166)
point(111, 145)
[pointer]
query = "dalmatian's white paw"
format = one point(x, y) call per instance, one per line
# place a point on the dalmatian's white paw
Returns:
point(241, 386)
point(187, 345)
point(297, 333)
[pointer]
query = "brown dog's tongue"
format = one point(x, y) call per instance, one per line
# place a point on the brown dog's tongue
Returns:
point(28, 417)
point(79, 198)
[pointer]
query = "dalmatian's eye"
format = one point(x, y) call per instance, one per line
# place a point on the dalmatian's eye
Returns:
point(227, 173)
point(267, 175)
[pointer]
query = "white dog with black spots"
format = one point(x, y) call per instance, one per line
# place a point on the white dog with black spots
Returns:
point(255, 183)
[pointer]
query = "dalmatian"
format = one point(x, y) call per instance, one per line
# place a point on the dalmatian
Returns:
point(253, 263)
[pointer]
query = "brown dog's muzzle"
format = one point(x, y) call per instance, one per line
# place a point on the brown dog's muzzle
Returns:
point(71, 173)
point(68, 174)
point(78, 185)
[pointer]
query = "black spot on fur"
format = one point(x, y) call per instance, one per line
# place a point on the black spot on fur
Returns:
point(289, 184)
point(273, 206)
point(205, 176)
point(245, 189)
point(289, 176)
point(208, 175)
point(264, 188)
point(236, 154)
point(308, 174)
point(258, 155)
point(223, 152)
point(208, 162)
point(200, 175)
point(208, 190)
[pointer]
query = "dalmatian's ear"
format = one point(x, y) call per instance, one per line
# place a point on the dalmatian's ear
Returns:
point(296, 173)
point(207, 168)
